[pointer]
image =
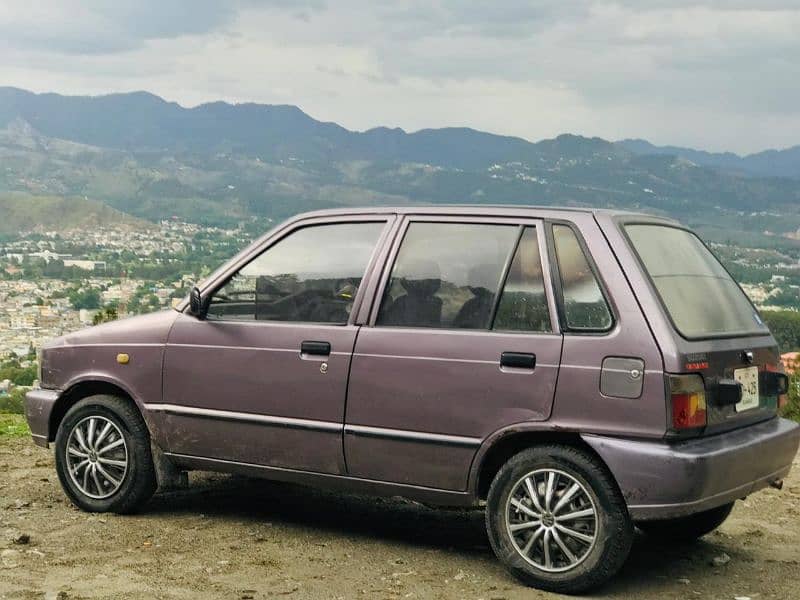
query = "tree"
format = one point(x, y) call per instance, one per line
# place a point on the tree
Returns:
point(89, 298)
point(108, 314)
point(785, 327)
point(17, 374)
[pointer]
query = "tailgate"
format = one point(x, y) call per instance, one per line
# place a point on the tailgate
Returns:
point(747, 361)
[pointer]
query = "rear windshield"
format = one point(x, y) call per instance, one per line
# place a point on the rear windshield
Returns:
point(698, 293)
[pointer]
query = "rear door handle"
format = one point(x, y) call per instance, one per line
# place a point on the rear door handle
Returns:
point(316, 348)
point(518, 360)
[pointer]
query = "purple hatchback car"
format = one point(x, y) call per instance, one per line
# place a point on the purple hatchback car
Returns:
point(580, 372)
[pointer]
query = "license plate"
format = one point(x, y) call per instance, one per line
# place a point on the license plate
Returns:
point(749, 379)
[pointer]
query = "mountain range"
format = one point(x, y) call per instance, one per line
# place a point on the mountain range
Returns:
point(220, 163)
point(769, 163)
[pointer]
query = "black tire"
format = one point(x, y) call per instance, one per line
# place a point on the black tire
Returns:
point(689, 528)
point(611, 525)
point(138, 483)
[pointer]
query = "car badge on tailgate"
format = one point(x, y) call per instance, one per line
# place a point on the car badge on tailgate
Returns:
point(697, 361)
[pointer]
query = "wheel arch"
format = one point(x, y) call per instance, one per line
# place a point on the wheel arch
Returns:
point(82, 388)
point(499, 448)
point(167, 474)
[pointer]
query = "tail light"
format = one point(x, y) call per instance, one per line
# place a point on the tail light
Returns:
point(688, 402)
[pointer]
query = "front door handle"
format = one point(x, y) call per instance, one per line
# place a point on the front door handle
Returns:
point(315, 348)
point(518, 360)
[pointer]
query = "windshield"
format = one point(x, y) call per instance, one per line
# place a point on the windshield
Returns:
point(698, 293)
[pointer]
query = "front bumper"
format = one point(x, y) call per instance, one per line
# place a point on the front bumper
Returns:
point(38, 407)
point(662, 480)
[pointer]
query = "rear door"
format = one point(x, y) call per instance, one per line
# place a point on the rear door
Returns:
point(717, 331)
point(461, 341)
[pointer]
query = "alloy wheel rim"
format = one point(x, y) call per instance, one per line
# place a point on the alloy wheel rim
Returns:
point(97, 457)
point(552, 520)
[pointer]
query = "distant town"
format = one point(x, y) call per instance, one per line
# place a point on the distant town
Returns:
point(52, 283)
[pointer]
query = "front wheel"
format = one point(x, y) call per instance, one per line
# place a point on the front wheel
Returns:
point(686, 529)
point(103, 456)
point(557, 520)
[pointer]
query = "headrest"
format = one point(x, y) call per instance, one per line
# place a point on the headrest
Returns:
point(420, 277)
point(421, 287)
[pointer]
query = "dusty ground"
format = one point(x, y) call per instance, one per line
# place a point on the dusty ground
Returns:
point(238, 538)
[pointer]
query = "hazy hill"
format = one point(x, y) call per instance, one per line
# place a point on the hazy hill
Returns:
point(143, 122)
point(769, 163)
point(220, 163)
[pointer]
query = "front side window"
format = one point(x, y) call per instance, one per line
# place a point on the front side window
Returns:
point(697, 292)
point(448, 275)
point(312, 275)
point(585, 307)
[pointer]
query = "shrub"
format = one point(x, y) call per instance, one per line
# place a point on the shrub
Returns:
point(12, 402)
point(792, 410)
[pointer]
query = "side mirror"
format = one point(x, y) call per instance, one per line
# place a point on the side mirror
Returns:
point(197, 305)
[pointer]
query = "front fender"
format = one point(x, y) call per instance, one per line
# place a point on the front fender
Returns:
point(74, 367)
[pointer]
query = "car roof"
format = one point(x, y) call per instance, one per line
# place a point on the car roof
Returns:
point(516, 210)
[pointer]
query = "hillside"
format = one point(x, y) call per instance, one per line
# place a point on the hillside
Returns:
point(24, 212)
point(219, 163)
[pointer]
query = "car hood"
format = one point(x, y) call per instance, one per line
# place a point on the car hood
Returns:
point(152, 328)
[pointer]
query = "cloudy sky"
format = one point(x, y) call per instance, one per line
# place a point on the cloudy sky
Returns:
point(718, 75)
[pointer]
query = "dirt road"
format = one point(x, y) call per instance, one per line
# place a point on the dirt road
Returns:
point(238, 538)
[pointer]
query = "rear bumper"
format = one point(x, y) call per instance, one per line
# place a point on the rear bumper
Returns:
point(38, 406)
point(663, 480)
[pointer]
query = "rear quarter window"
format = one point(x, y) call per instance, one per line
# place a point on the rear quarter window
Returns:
point(699, 295)
point(585, 307)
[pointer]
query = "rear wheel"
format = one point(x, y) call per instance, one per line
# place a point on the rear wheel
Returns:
point(557, 520)
point(688, 528)
point(103, 456)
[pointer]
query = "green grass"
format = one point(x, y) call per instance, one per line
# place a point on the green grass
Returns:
point(13, 425)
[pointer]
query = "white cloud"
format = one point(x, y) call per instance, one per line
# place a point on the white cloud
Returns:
point(714, 74)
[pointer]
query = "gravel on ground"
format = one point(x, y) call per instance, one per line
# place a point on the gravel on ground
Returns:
point(231, 537)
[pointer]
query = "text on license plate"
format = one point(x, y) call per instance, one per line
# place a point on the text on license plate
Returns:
point(748, 377)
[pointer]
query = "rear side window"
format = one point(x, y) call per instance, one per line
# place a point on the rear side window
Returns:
point(449, 275)
point(585, 307)
point(523, 304)
point(697, 292)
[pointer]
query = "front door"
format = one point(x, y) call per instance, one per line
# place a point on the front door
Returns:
point(263, 378)
point(462, 342)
